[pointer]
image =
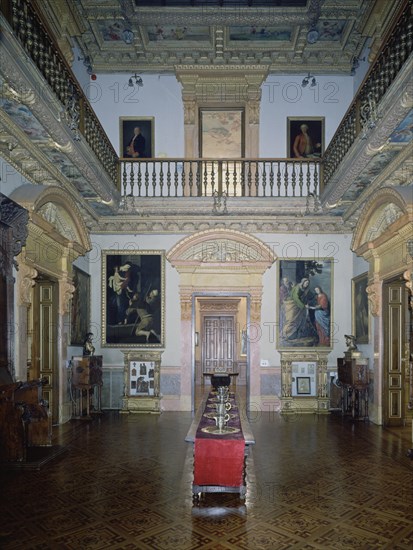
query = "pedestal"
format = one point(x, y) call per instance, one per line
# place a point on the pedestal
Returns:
point(141, 382)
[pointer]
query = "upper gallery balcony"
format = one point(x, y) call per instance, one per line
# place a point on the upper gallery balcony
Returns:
point(58, 126)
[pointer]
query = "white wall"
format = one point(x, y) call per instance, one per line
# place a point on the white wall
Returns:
point(283, 96)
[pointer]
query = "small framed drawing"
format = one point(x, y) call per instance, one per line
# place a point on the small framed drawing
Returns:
point(303, 385)
point(133, 297)
point(305, 137)
point(360, 309)
point(80, 307)
point(136, 137)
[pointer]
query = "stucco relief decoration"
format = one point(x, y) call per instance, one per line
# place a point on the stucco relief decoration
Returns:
point(189, 111)
point(26, 276)
point(222, 250)
point(186, 306)
point(389, 215)
point(374, 296)
point(55, 216)
point(66, 291)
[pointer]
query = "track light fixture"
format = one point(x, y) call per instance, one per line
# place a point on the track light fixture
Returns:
point(309, 79)
point(135, 80)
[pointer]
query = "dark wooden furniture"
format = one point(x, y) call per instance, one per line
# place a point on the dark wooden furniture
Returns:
point(25, 420)
point(353, 376)
point(86, 385)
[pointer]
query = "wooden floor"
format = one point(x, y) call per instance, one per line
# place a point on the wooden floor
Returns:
point(125, 482)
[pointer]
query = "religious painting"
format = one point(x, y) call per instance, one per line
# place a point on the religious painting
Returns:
point(137, 137)
point(133, 296)
point(305, 137)
point(360, 309)
point(80, 307)
point(304, 303)
point(303, 385)
point(221, 133)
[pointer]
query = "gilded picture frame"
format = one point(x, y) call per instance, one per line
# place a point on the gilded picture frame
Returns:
point(310, 145)
point(305, 289)
point(133, 298)
point(79, 307)
point(146, 140)
point(360, 318)
point(221, 133)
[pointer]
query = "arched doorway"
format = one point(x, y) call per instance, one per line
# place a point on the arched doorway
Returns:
point(381, 238)
point(219, 266)
point(57, 236)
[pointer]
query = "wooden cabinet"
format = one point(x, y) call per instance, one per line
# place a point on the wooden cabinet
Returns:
point(86, 385)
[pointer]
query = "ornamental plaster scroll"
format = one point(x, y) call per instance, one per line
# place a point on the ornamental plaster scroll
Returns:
point(189, 111)
point(26, 281)
point(66, 290)
point(58, 218)
point(186, 304)
point(374, 296)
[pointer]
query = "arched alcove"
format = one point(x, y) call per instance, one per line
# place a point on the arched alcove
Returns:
point(219, 262)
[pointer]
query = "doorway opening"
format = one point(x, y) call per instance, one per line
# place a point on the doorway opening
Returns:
point(220, 343)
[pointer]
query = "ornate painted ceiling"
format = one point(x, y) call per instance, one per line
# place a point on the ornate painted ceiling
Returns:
point(324, 36)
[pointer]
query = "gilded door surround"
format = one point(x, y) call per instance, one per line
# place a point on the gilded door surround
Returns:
point(219, 262)
point(221, 87)
point(57, 236)
point(384, 228)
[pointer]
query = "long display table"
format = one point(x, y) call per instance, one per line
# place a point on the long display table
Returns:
point(219, 455)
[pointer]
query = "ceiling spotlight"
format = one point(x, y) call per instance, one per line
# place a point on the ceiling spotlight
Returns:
point(309, 79)
point(135, 80)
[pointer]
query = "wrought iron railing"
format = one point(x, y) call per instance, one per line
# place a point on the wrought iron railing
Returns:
point(361, 116)
point(38, 43)
point(200, 177)
point(233, 177)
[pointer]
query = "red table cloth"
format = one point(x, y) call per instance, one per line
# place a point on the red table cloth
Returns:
point(219, 459)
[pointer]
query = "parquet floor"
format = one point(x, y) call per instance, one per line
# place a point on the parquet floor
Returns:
point(124, 483)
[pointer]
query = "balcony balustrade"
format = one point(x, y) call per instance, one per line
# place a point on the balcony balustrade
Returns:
point(231, 177)
point(203, 177)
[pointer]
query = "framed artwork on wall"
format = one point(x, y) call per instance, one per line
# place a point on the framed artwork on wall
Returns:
point(137, 137)
point(360, 309)
point(305, 137)
point(304, 303)
point(80, 307)
point(133, 298)
point(303, 385)
point(221, 133)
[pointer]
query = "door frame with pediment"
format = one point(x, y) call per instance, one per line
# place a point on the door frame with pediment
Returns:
point(218, 263)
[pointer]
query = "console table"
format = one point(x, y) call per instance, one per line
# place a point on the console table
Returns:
point(219, 459)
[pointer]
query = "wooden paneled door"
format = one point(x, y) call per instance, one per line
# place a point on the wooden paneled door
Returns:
point(396, 327)
point(45, 340)
point(218, 343)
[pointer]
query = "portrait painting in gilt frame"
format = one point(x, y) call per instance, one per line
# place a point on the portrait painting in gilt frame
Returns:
point(305, 137)
point(137, 137)
point(304, 303)
point(79, 307)
point(133, 296)
point(360, 309)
